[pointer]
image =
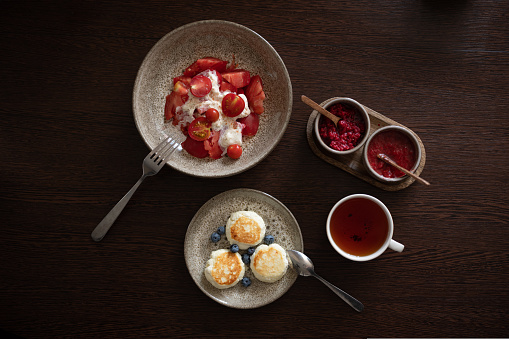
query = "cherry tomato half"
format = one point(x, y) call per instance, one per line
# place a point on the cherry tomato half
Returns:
point(234, 151)
point(200, 86)
point(232, 105)
point(212, 115)
point(199, 129)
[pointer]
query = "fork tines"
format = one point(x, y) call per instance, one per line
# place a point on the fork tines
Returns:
point(163, 150)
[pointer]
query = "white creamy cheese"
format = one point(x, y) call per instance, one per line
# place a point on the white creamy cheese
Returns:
point(230, 130)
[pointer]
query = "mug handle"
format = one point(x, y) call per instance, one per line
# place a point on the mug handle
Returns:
point(396, 246)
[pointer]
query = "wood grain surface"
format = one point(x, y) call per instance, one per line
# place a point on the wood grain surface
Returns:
point(70, 150)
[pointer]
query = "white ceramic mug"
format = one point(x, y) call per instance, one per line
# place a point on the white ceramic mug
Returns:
point(388, 243)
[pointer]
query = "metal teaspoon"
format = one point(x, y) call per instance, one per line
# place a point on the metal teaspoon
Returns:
point(304, 266)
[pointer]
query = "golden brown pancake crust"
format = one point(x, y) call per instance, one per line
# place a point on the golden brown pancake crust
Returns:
point(271, 266)
point(226, 269)
point(245, 230)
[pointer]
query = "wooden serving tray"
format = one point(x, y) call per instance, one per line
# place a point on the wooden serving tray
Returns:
point(353, 163)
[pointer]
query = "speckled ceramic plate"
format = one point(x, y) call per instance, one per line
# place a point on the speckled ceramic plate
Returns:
point(280, 223)
point(221, 39)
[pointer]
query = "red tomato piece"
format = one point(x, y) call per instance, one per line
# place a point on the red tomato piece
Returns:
point(212, 145)
point(233, 65)
point(258, 103)
point(199, 129)
point(232, 105)
point(200, 86)
point(226, 86)
point(250, 124)
point(195, 148)
point(185, 80)
point(212, 115)
point(255, 95)
point(238, 78)
point(234, 151)
point(184, 128)
point(204, 64)
point(173, 100)
point(180, 88)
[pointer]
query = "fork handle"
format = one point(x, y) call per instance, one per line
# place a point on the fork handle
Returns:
point(105, 224)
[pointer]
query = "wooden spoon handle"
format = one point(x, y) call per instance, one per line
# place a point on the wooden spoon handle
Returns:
point(402, 169)
point(320, 109)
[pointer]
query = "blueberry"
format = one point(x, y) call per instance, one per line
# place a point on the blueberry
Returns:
point(251, 250)
point(269, 239)
point(246, 281)
point(221, 230)
point(234, 248)
point(215, 237)
point(246, 258)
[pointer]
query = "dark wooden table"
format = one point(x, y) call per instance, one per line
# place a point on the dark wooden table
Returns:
point(70, 149)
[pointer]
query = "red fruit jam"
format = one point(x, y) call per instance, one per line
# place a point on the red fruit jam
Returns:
point(397, 146)
point(350, 130)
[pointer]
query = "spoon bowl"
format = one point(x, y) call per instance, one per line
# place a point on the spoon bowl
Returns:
point(304, 266)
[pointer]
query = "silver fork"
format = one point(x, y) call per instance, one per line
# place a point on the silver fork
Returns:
point(152, 163)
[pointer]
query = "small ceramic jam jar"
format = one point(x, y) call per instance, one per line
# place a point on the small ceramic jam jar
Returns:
point(352, 131)
point(397, 143)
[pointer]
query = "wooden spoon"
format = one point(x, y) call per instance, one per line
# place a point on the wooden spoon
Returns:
point(320, 109)
point(391, 162)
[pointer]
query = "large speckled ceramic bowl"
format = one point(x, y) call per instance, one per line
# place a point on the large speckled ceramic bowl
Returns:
point(221, 39)
point(280, 223)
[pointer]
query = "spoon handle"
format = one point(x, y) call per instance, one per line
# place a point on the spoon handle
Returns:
point(388, 160)
point(356, 304)
point(320, 109)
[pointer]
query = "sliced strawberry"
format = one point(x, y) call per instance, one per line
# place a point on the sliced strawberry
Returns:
point(195, 148)
point(255, 95)
point(226, 86)
point(212, 145)
point(238, 78)
point(201, 65)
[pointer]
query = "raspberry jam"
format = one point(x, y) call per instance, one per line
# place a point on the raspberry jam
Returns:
point(350, 130)
point(397, 146)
